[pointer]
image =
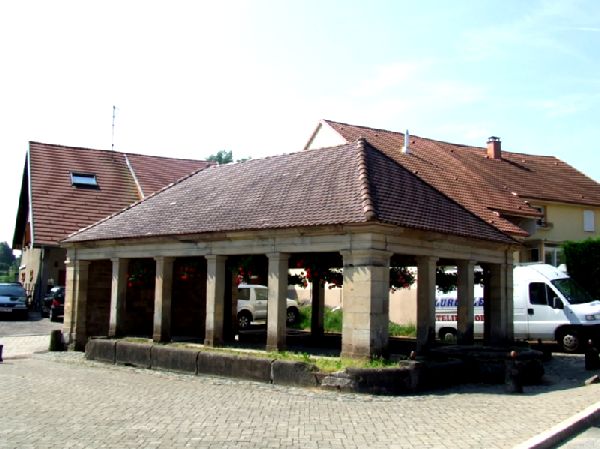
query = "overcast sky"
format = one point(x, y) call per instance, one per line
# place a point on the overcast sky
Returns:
point(254, 77)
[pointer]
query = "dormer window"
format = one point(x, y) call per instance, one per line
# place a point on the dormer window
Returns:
point(86, 180)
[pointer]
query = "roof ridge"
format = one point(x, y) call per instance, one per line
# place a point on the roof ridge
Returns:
point(363, 179)
point(72, 147)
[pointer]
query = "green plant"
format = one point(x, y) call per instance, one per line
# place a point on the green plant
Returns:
point(402, 330)
point(583, 263)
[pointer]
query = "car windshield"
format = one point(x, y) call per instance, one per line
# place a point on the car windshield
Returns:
point(574, 293)
point(14, 291)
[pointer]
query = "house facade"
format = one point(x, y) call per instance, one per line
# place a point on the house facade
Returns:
point(131, 274)
point(68, 188)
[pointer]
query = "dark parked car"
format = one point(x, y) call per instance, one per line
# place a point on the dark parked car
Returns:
point(13, 300)
point(53, 305)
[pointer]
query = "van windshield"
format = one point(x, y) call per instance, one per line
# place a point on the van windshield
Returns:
point(574, 293)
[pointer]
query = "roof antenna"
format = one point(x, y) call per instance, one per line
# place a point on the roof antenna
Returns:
point(113, 127)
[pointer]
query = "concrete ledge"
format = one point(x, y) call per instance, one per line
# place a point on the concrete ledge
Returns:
point(134, 354)
point(559, 433)
point(101, 350)
point(286, 372)
point(233, 366)
point(174, 359)
point(403, 379)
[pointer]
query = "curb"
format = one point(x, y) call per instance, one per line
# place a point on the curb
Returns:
point(564, 430)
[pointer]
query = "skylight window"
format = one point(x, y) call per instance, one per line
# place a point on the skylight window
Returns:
point(84, 180)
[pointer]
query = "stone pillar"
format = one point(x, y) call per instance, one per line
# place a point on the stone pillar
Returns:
point(277, 304)
point(501, 324)
point(69, 315)
point(366, 303)
point(465, 294)
point(162, 299)
point(318, 308)
point(81, 293)
point(426, 266)
point(117, 297)
point(215, 299)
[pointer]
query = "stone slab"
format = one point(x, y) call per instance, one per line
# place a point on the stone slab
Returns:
point(134, 354)
point(234, 366)
point(287, 372)
point(101, 350)
point(174, 359)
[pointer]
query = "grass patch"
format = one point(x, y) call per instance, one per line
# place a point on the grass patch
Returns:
point(333, 323)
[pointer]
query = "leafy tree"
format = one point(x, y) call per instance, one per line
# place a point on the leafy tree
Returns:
point(583, 264)
point(8, 263)
point(222, 157)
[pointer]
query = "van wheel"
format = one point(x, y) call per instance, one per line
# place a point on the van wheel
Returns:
point(447, 335)
point(244, 320)
point(569, 340)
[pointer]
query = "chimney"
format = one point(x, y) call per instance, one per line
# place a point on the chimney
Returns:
point(494, 148)
point(405, 148)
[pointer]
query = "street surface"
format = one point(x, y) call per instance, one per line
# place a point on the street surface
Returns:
point(61, 400)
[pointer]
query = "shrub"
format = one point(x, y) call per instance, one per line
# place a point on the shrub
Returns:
point(583, 263)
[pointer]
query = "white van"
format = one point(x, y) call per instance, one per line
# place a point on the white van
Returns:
point(547, 305)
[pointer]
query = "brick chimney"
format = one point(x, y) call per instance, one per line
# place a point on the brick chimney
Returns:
point(494, 148)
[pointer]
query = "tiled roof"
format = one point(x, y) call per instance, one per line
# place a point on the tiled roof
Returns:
point(155, 172)
point(492, 189)
point(59, 208)
point(340, 185)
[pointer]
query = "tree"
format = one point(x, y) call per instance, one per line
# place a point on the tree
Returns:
point(8, 264)
point(222, 157)
point(6, 254)
point(583, 263)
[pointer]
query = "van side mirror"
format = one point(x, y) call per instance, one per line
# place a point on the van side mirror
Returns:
point(557, 303)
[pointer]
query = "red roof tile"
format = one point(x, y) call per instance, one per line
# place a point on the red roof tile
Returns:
point(58, 208)
point(155, 172)
point(339, 185)
point(494, 190)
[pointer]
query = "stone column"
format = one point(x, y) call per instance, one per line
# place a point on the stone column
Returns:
point(426, 266)
point(466, 296)
point(81, 293)
point(117, 297)
point(277, 304)
point(318, 308)
point(69, 315)
point(215, 299)
point(162, 299)
point(500, 323)
point(366, 303)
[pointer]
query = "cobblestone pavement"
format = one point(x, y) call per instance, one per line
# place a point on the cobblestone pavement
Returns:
point(61, 400)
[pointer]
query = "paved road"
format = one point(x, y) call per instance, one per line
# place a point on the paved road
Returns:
point(35, 325)
point(21, 338)
point(60, 400)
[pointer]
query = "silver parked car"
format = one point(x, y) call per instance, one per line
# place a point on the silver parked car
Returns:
point(13, 300)
point(252, 305)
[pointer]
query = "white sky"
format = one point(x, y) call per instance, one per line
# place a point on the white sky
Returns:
point(192, 78)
